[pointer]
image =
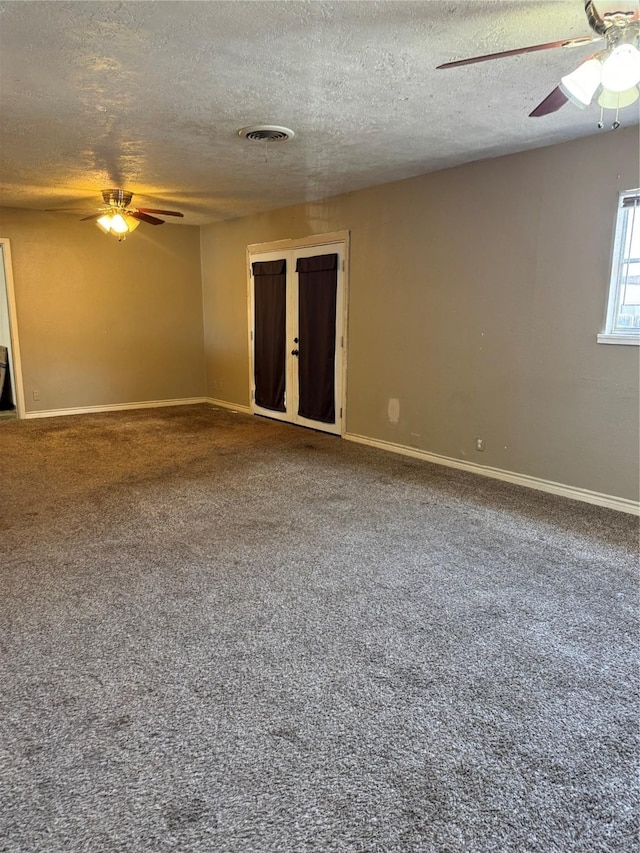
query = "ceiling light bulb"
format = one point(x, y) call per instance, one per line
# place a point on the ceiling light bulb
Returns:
point(617, 100)
point(118, 224)
point(104, 223)
point(621, 69)
point(580, 86)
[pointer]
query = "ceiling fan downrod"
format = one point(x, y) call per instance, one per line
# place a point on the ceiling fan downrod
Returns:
point(593, 18)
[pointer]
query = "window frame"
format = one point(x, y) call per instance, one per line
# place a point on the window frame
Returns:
point(613, 334)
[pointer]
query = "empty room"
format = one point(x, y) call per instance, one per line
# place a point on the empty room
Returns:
point(319, 426)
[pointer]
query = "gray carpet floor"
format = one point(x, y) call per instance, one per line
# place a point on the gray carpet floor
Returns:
point(221, 633)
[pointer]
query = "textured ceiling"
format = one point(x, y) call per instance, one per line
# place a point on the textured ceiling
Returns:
point(148, 96)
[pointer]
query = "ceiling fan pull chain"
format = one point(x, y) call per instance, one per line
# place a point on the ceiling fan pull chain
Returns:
point(616, 123)
point(601, 122)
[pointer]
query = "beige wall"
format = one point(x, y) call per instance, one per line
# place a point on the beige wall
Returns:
point(102, 322)
point(475, 297)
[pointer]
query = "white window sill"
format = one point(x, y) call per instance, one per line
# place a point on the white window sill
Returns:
point(633, 340)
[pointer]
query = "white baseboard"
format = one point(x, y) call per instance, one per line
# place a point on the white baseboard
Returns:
point(224, 404)
point(116, 407)
point(573, 492)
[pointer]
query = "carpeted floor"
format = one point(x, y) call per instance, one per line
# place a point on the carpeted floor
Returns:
point(220, 633)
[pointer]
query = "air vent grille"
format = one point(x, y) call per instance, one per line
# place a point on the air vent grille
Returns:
point(266, 133)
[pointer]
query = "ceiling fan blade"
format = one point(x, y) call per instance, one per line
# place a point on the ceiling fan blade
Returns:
point(551, 103)
point(164, 212)
point(144, 217)
point(532, 49)
point(93, 216)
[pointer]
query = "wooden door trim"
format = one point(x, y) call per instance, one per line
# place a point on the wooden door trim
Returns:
point(300, 243)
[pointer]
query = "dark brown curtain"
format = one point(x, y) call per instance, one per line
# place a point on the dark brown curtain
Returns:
point(318, 282)
point(270, 325)
point(5, 383)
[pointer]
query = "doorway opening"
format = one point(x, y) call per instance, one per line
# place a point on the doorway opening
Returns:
point(297, 331)
point(11, 388)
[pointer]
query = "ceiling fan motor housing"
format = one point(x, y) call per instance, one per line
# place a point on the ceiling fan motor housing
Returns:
point(117, 198)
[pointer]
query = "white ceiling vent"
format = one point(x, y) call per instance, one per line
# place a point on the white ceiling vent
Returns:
point(266, 132)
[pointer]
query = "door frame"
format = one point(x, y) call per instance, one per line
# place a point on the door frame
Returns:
point(15, 361)
point(311, 242)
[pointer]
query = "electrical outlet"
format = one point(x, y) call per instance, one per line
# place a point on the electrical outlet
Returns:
point(414, 439)
point(36, 395)
point(480, 444)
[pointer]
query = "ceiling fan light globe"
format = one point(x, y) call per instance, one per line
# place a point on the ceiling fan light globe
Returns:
point(132, 223)
point(104, 223)
point(621, 69)
point(118, 224)
point(617, 100)
point(580, 86)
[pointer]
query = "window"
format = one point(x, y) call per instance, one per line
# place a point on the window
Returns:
point(623, 310)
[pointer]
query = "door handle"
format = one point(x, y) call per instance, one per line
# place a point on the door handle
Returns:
point(295, 352)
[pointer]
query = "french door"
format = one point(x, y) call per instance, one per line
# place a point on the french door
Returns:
point(297, 335)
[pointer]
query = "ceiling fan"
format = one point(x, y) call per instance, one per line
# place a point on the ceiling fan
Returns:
point(118, 218)
point(616, 69)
